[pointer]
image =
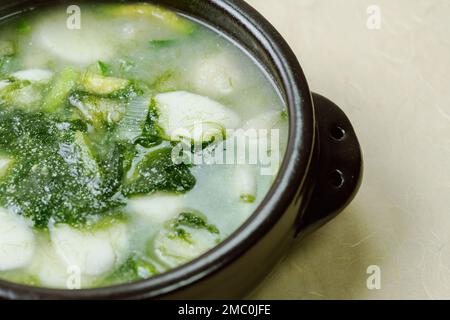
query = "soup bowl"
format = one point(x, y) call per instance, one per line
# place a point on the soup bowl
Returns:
point(320, 173)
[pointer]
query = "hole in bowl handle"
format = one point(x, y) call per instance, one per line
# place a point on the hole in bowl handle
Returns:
point(337, 166)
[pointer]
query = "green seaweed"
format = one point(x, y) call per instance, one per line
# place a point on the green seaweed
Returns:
point(151, 134)
point(193, 220)
point(183, 225)
point(55, 174)
point(134, 268)
point(158, 172)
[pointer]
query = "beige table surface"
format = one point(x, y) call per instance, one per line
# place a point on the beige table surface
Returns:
point(394, 84)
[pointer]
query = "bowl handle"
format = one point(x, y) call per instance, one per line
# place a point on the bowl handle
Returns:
point(338, 166)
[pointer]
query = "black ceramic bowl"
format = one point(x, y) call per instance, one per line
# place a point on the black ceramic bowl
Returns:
point(320, 174)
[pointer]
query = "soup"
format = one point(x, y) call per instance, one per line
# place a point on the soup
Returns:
point(132, 140)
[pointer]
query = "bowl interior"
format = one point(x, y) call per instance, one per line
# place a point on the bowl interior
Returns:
point(243, 25)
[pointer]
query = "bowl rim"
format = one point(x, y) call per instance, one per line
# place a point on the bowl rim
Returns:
point(284, 190)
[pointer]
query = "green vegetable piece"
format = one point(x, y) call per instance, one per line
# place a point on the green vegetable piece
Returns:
point(103, 68)
point(151, 134)
point(248, 198)
point(114, 165)
point(156, 44)
point(22, 94)
point(82, 152)
point(193, 220)
point(98, 110)
point(55, 173)
point(101, 85)
point(23, 26)
point(157, 172)
point(134, 268)
point(60, 88)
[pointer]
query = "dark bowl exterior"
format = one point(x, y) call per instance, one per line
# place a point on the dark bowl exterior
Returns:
point(236, 266)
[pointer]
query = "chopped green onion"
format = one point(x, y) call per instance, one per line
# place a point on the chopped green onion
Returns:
point(60, 88)
point(103, 68)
